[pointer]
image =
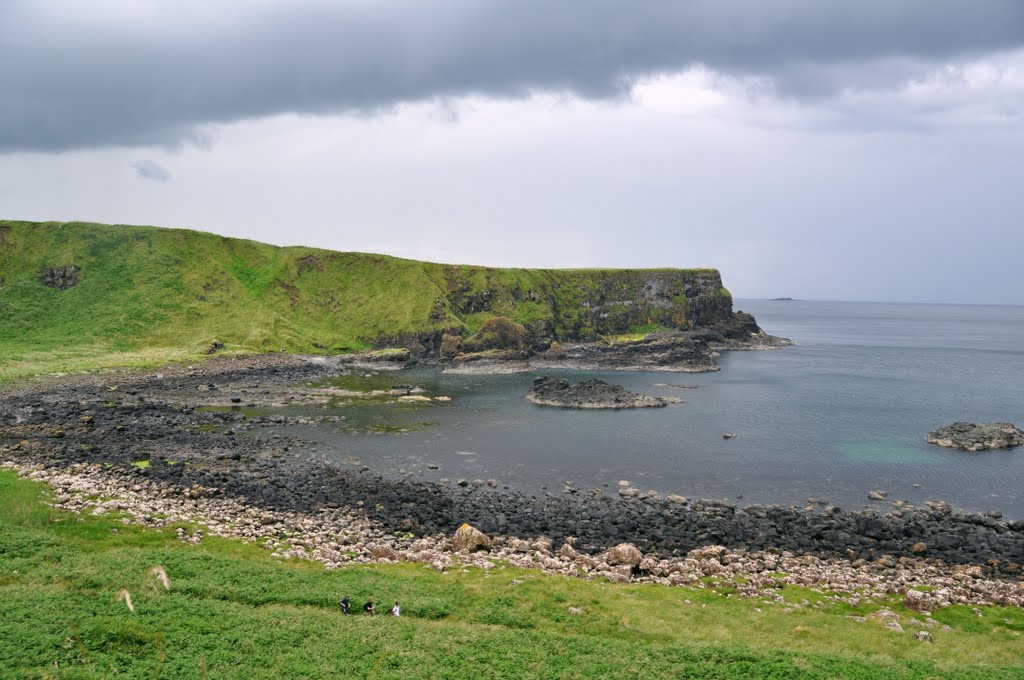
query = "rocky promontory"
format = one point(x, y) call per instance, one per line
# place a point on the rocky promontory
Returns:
point(590, 394)
point(371, 307)
point(970, 437)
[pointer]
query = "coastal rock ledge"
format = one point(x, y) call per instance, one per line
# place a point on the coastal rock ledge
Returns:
point(590, 394)
point(971, 437)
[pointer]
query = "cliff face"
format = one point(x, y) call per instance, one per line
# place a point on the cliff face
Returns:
point(582, 305)
point(586, 303)
point(87, 289)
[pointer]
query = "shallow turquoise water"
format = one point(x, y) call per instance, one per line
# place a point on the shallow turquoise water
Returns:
point(842, 412)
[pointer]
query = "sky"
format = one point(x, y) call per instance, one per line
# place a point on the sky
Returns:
point(819, 149)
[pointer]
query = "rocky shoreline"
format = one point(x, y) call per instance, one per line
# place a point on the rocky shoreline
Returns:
point(85, 435)
point(340, 536)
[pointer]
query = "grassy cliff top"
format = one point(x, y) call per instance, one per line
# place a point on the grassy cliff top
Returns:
point(146, 294)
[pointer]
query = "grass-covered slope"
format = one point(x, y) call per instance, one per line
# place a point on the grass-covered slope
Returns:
point(146, 294)
point(233, 611)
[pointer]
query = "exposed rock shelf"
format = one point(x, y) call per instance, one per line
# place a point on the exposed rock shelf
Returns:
point(970, 437)
point(590, 394)
point(690, 351)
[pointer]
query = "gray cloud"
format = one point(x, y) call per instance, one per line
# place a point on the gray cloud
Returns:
point(151, 170)
point(95, 76)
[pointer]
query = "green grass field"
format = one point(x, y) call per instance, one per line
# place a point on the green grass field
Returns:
point(234, 612)
point(148, 295)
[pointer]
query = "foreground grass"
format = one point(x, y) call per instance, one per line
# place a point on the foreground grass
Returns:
point(233, 611)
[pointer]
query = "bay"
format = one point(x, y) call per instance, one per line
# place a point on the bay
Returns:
point(842, 412)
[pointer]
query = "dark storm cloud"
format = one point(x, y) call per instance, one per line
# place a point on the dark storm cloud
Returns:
point(111, 73)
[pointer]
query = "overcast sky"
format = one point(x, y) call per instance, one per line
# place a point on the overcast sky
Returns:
point(824, 149)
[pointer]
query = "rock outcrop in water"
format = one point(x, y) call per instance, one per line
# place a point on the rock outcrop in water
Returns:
point(590, 394)
point(970, 437)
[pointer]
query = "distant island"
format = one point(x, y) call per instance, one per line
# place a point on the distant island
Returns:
point(783, 299)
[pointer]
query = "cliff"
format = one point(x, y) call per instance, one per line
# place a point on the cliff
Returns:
point(85, 289)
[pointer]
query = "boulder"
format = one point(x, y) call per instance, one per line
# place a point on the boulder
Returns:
point(497, 333)
point(450, 345)
point(518, 545)
point(623, 570)
point(970, 437)
point(384, 552)
point(918, 601)
point(568, 552)
point(555, 351)
point(708, 552)
point(623, 554)
point(471, 539)
point(542, 544)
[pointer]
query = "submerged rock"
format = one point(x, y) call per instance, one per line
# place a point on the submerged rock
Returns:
point(970, 437)
point(590, 394)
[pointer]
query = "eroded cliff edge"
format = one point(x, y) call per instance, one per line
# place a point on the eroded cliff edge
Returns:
point(673, 319)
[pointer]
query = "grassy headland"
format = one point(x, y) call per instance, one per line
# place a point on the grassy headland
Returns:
point(147, 295)
point(233, 611)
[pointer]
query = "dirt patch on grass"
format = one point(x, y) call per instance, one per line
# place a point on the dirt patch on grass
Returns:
point(310, 262)
point(292, 291)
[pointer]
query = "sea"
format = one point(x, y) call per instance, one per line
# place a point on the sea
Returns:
point(842, 412)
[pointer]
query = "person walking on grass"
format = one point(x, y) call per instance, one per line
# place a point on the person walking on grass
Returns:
point(368, 608)
point(396, 610)
point(346, 605)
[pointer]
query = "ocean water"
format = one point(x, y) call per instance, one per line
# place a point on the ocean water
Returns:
point(842, 412)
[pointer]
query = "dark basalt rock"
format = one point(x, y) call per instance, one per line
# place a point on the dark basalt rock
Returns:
point(970, 437)
point(672, 350)
point(60, 278)
point(589, 394)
